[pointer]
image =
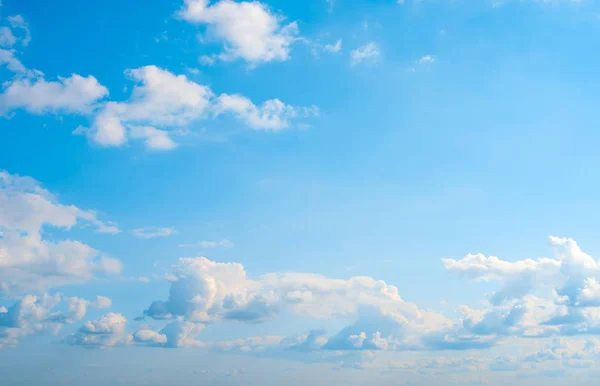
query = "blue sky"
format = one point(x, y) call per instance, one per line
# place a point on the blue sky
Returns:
point(299, 193)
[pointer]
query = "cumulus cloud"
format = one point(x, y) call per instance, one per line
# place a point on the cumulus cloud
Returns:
point(106, 331)
point(542, 297)
point(153, 232)
point(273, 115)
point(162, 102)
point(154, 139)
point(75, 94)
point(35, 314)
point(248, 30)
point(368, 53)
point(30, 262)
point(203, 291)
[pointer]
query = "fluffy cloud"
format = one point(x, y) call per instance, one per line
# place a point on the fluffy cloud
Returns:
point(152, 232)
point(368, 53)
point(543, 297)
point(153, 138)
point(27, 260)
point(106, 331)
point(249, 30)
point(34, 314)
point(75, 94)
point(203, 291)
point(161, 103)
point(161, 99)
point(272, 115)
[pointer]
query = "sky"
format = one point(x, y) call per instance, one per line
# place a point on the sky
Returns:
point(349, 192)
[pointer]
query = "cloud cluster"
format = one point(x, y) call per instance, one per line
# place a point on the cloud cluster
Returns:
point(203, 291)
point(161, 104)
point(537, 298)
point(15, 33)
point(35, 314)
point(106, 331)
point(162, 101)
point(29, 262)
point(248, 30)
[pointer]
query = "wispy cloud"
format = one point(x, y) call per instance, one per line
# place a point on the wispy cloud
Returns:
point(224, 243)
point(368, 53)
point(152, 232)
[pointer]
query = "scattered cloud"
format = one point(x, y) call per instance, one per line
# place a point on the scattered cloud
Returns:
point(106, 331)
point(28, 260)
point(7, 39)
point(248, 30)
point(7, 57)
point(538, 298)
point(224, 243)
point(427, 59)
point(153, 232)
point(161, 99)
point(75, 94)
point(204, 291)
point(368, 53)
point(35, 315)
point(273, 115)
point(334, 48)
point(19, 23)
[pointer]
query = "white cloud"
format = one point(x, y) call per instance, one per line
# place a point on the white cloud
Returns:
point(34, 314)
point(272, 115)
point(224, 243)
point(152, 232)
point(162, 102)
point(7, 39)
point(75, 94)
point(543, 297)
point(159, 98)
point(30, 262)
point(149, 337)
point(249, 30)
point(204, 291)
point(154, 139)
point(427, 59)
point(106, 331)
point(19, 22)
point(368, 53)
point(7, 57)
point(337, 47)
point(215, 244)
